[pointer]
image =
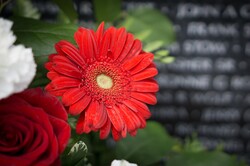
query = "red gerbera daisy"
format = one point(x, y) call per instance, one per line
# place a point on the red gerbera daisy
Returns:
point(107, 79)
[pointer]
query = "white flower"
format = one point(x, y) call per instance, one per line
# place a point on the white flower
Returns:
point(17, 65)
point(122, 163)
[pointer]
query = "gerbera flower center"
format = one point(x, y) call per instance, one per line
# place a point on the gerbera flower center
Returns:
point(104, 81)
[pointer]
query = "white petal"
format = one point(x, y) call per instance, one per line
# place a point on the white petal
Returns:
point(7, 37)
point(5, 89)
point(17, 65)
point(122, 163)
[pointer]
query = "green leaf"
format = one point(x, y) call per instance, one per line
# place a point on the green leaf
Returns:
point(154, 45)
point(149, 146)
point(40, 79)
point(150, 26)
point(204, 158)
point(166, 59)
point(67, 8)
point(162, 53)
point(107, 10)
point(163, 56)
point(41, 36)
point(76, 156)
point(193, 145)
point(25, 8)
point(193, 153)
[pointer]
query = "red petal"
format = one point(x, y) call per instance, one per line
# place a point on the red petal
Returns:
point(63, 66)
point(51, 56)
point(147, 73)
point(95, 115)
point(145, 62)
point(86, 43)
point(131, 105)
point(127, 47)
point(79, 106)
point(56, 162)
point(116, 135)
point(99, 34)
point(48, 66)
point(114, 35)
point(50, 104)
point(58, 47)
point(137, 109)
point(79, 38)
point(131, 120)
point(115, 118)
point(120, 42)
point(135, 50)
point(73, 54)
point(72, 96)
point(145, 86)
point(90, 113)
point(64, 82)
point(62, 132)
point(55, 92)
point(143, 121)
point(52, 75)
point(148, 98)
point(105, 45)
point(129, 64)
point(144, 111)
point(67, 49)
point(101, 116)
point(104, 131)
point(62, 59)
point(124, 132)
point(81, 126)
point(133, 133)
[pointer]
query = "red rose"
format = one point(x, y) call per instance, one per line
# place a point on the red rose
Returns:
point(33, 129)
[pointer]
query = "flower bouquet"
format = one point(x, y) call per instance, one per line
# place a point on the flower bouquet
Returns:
point(72, 95)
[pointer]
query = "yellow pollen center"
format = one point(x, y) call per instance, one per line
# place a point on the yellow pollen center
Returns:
point(104, 81)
